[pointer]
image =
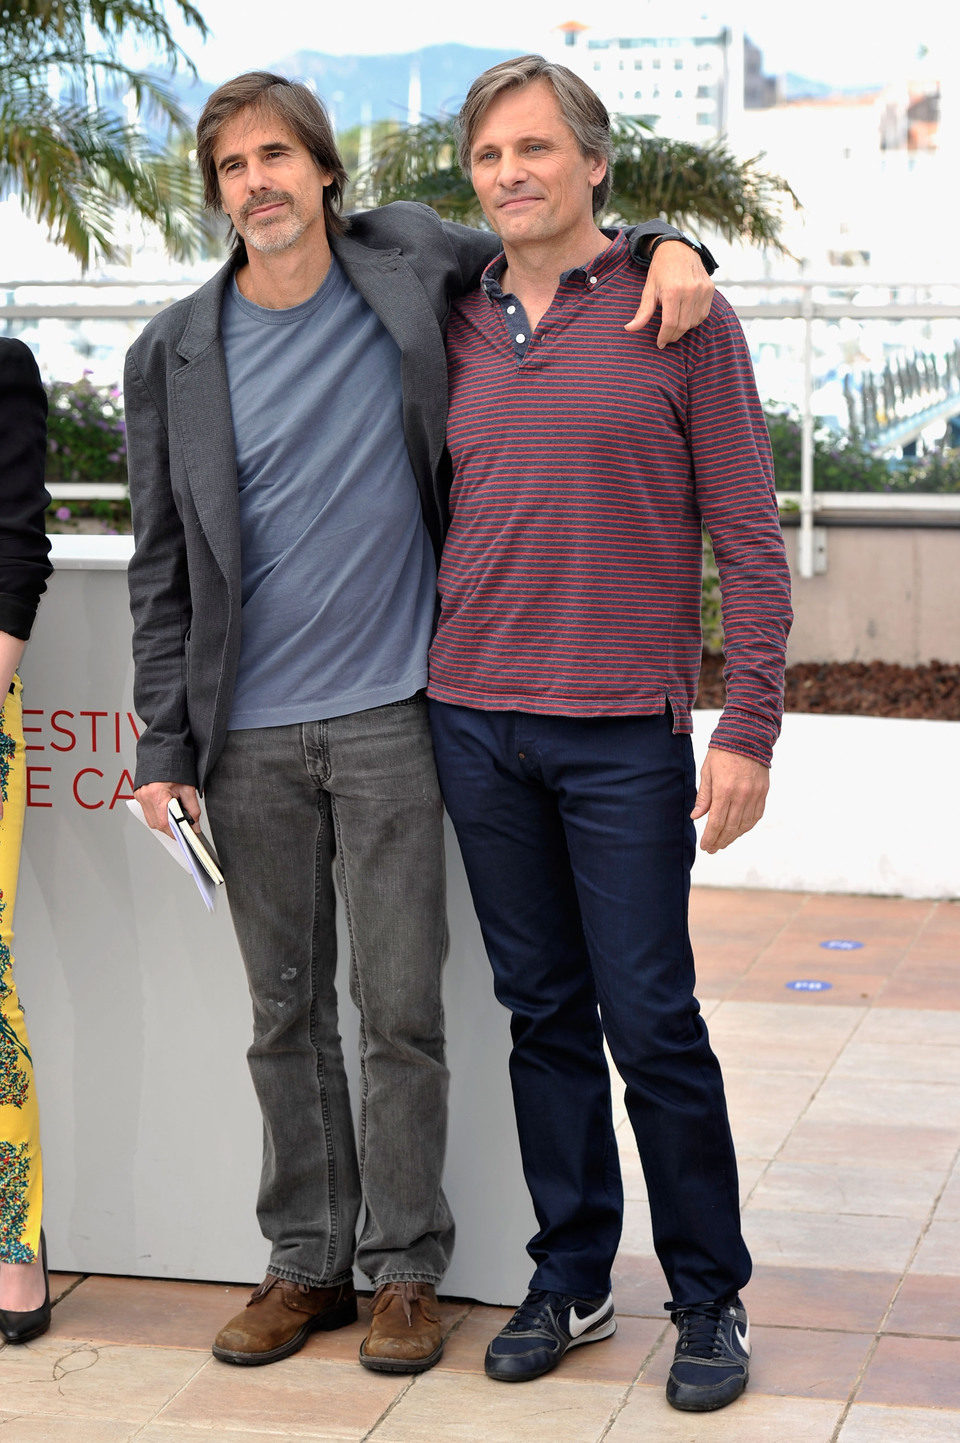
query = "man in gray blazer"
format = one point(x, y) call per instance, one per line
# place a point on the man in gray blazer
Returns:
point(286, 442)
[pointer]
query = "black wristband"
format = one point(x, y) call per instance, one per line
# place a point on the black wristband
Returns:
point(679, 236)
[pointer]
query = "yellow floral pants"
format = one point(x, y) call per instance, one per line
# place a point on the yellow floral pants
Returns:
point(21, 1187)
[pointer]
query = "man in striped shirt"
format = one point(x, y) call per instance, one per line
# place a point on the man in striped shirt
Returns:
point(562, 678)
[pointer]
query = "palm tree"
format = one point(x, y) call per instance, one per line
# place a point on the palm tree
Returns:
point(67, 146)
point(686, 184)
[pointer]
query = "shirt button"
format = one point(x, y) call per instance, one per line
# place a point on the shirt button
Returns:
point(521, 756)
point(510, 310)
point(520, 339)
point(593, 280)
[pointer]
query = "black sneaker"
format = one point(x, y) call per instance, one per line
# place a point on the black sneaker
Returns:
point(712, 1360)
point(542, 1329)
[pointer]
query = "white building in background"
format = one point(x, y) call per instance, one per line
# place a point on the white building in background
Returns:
point(869, 169)
point(675, 66)
point(875, 174)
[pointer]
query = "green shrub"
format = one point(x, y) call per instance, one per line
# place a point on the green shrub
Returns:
point(839, 463)
point(711, 621)
point(844, 463)
point(86, 435)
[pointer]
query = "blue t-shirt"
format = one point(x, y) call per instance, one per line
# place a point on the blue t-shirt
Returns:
point(338, 573)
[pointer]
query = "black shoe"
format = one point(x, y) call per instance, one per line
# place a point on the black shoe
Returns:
point(712, 1360)
point(542, 1329)
point(21, 1327)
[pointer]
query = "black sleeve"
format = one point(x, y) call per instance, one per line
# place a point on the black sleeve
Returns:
point(24, 548)
point(474, 249)
point(646, 230)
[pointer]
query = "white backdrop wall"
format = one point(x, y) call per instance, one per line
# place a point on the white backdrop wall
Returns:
point(138, 1010)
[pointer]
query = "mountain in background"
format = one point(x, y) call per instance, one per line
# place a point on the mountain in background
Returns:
point(349, 83)
point(381, 83)
point(801, 87)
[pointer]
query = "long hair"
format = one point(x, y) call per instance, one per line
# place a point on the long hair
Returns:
point(302, 113)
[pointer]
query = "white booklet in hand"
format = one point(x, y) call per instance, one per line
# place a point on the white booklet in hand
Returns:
point(201, 864)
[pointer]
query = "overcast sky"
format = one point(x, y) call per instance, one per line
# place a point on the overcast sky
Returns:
point(844, 42)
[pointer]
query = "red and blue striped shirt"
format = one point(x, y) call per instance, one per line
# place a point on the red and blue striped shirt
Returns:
point(584, 460)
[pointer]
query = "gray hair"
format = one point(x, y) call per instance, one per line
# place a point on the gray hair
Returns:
point(581, 107)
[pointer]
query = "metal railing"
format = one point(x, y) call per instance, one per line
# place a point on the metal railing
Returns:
point(30, 304)
point(811, 302)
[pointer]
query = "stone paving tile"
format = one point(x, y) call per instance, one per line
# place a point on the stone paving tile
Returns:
point(923, 984)
point(829, 912)
point(905, 1026)
point(639, 1287)
point(458, 1408)
point(870, 1100)
point(779, 1037)
point(840, 1299)
point(61, 1283)
point(870, 1424)
point(767, 982)
point(872, 1144)
point(748, 918)
point(939, 1252)
point(829, 1240)
point(18, 1429)
point(789, 949)
point(465, 1346)
point(49, 1379)
point(945, 916)
point(297, 1397)
point(913, 1373)
point(765, 1106)
point(948, 1208)
point(926, 1306)
point(183, 1433)
point(754, 1418)
point(826, 1188)
point(719, 971)
point(636, 1240)
point(906, 1062)
point(148, 1310)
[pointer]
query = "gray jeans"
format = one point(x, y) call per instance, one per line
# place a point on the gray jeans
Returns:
point(283, 804)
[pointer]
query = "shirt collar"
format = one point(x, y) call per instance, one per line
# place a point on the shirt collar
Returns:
point(602, 264)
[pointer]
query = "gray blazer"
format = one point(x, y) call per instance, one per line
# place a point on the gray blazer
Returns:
point(185, 573)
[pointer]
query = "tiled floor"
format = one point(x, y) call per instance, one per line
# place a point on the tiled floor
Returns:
point(846, 1109)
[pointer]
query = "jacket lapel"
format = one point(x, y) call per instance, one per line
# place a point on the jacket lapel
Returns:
point(393, 291)
point(201, 414)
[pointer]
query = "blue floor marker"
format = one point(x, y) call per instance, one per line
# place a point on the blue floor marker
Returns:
point(841, 944)
point(809, 984)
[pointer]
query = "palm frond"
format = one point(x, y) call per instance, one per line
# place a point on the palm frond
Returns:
point(692, 186)
point(78, 165)
point(78, 172)
point(696, 186)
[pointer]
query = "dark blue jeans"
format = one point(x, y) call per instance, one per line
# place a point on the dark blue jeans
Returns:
point(578, 845)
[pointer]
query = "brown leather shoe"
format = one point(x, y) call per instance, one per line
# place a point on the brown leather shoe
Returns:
point(405, 1334)
point(279, 1319)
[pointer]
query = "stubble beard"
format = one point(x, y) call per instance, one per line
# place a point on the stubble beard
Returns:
point(271, 235)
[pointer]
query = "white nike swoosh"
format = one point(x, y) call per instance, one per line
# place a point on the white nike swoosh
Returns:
point(576, 1326)
point(743, 1338)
